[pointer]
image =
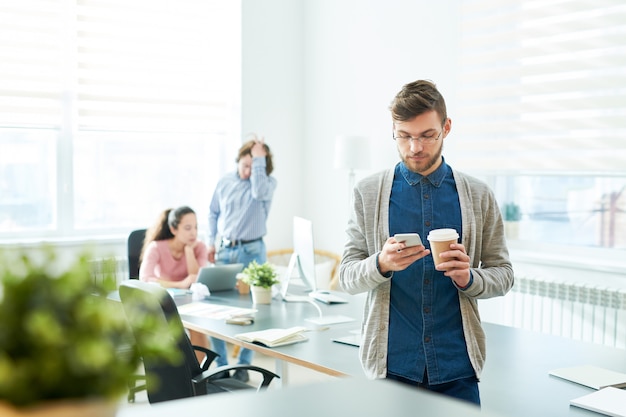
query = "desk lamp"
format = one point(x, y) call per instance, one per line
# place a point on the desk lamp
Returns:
point(352, 152)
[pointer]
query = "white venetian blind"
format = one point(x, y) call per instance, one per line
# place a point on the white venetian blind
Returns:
point(102, 100)
point(148, 65)
point(155, 65)
point(32, 64)
point(542, 86)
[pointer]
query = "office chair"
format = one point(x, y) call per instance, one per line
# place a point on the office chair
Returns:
point(134, 245)
point(169, 381)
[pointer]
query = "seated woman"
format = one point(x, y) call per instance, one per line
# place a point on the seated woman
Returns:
point(172, 255)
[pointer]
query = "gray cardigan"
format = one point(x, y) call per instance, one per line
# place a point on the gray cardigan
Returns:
point(368, 230)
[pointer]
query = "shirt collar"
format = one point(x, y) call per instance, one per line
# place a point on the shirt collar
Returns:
point(435, 178)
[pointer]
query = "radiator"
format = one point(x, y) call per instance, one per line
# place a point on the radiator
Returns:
point(574, 310)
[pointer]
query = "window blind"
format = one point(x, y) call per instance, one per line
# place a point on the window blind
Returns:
point(92, 90)
point(131, 65)
point(542, 87)
point(32, 74)
point(154, 65)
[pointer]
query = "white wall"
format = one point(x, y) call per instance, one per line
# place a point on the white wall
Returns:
point(313, 69)
point(273, 101)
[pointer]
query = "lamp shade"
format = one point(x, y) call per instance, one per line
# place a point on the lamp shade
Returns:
point(352, 152)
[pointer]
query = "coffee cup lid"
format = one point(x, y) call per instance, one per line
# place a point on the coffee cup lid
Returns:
point(442, 234)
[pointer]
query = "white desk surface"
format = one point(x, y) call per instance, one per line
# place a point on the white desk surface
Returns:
point(340, 398)
point(515, 380)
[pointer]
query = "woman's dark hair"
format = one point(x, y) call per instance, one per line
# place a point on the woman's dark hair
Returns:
point(160, 230)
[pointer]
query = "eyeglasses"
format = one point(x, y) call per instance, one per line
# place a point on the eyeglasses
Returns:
point(426, 139)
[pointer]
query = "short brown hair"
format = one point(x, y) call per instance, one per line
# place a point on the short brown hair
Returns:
point(417, 98)
point(246, 149)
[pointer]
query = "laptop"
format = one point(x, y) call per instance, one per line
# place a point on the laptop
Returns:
point(220, 277)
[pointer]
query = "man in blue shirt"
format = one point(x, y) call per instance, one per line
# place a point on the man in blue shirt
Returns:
point(238, 214)
point(422, 325)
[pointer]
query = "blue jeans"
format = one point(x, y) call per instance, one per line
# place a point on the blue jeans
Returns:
point(246, 253)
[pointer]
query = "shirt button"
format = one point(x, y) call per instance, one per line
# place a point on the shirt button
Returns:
point(427, 339)
point(426, 196)
point(427, 223)
point(426, 281)
point(426, 310)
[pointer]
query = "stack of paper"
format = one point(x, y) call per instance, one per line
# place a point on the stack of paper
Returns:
point(609, 401)
point(591, 376)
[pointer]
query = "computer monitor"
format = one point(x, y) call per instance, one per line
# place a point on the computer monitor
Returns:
point(304, 250)
point(303, 258)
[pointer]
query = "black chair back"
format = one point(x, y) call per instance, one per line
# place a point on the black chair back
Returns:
point(170, 380)
point(164, 381)
point(134, 245)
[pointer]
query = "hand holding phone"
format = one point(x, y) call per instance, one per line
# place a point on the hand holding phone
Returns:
point(409, 239)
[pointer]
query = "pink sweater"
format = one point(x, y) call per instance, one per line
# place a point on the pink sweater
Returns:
point(158, 261)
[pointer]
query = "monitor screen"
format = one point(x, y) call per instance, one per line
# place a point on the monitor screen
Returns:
point(305, 250)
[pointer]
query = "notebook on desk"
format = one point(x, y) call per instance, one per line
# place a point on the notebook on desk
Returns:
point(591, 376)
point(609, 401)
point(353, 339)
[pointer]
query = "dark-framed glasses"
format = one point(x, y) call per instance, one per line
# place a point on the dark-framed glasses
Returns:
point(424, 139)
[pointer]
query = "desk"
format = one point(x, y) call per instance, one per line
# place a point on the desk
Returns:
point(515, 381)
point(340, 398)
point(319, 353)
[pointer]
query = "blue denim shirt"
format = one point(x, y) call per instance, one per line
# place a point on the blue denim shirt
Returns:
point(425, 329)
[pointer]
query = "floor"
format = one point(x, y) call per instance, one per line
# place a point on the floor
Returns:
point(297, 376)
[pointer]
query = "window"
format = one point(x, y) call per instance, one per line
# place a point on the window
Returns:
point(541, 115)
point(111, 111)
point(585, 211)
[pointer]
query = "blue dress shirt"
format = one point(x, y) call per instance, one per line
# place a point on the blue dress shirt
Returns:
point(239, 208)
point(425, 328)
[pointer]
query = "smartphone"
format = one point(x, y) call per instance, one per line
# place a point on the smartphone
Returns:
point(241, 321)
point(410, 239)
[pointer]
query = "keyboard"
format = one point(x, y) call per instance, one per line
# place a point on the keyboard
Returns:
point(290, 298)
point(327, 298)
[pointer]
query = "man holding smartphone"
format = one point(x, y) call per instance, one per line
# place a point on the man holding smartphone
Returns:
point(422, 325)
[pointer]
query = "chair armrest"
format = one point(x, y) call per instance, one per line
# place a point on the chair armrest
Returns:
point(268, 376)
point(208, 359)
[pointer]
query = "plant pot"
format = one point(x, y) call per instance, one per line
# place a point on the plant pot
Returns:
point(61, 408)
point(261, 295)
point(511, 229)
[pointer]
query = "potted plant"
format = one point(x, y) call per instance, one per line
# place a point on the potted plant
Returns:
point(260, 278)
point(512, 215)
point(65, 347)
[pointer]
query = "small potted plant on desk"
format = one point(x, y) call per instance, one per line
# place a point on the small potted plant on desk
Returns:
point(260, 278)
point(512, 216)
point(65, 346)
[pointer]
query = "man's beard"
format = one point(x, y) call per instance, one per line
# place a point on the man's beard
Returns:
point(429, 164)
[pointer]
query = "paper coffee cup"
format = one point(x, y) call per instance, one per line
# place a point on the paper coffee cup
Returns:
point(242, 286)
point(440, 241)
